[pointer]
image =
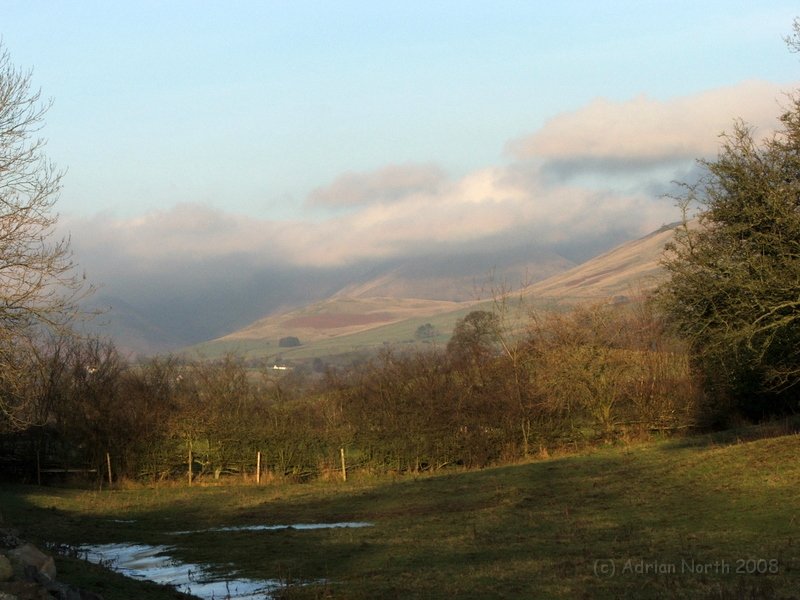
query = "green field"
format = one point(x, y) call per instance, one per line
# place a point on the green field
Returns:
point(702, 517)
point(399, 335)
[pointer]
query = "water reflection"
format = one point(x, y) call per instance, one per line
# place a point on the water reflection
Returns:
point(300, 526)
point(154, 563)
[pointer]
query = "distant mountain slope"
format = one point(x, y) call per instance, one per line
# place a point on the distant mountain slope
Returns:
point(338, 317)
point(626, 270)
point(365, 306)
point(346, 322)
point(158, 318)
point(459, 278)
point(132, 331)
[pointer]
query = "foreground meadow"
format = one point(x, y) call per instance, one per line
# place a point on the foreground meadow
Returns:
point(712, 516)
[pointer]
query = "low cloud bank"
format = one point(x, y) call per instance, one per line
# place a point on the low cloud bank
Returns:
point(586, 179)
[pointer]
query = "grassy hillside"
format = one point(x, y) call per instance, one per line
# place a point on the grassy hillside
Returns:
point(702, 517)
point(457, 277)
point(345, 325)
point(340, 316)
point(339, 326)
point(623, 271)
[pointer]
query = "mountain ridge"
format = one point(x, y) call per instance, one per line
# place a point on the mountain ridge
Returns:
point(628, 269)
point(624, 271)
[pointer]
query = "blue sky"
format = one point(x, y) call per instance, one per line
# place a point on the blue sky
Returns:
point(329, 135)
point(249, 106)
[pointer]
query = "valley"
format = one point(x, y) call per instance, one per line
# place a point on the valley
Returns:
point(352, 321)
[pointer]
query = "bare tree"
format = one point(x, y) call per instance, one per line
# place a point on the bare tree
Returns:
point(39, 285)
point(793, 39)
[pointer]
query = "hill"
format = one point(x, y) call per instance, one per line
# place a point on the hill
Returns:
point(159, 317)
point(352, 321)
point(625, 270)
point(339, 316)
point(133, 331)
point(458, 278)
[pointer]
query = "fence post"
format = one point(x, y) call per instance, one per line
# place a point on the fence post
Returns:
point(258, 467)
point(190, 461)
point(344, 466)
point(108, 462)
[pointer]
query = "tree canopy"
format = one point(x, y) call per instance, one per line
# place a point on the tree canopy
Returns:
point(474, 336)
point(734, 286)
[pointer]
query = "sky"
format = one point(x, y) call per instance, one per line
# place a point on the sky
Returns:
point(318, 134)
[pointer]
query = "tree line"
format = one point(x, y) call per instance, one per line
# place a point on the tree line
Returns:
point(491, 395)
point(719, 340)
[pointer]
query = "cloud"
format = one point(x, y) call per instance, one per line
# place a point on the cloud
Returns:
point(412, 209)
point(644, 133)
point(487, 205)
point(194, 255)
point(387, 184)
point(164, 237)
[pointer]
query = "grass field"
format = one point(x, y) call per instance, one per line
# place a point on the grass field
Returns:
point(702, 517)
point(400, 334)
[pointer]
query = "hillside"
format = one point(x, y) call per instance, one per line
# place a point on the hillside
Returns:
point(351, 320)
point(339, 316)
point(626, 270)
point(133, 331)
point(162, 317)
point(459, 278)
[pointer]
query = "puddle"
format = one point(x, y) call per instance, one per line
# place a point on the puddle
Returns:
point(154, 563)
point(299, 526)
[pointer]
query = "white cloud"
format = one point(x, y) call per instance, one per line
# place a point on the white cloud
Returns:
point(413, 210)
point(647, 130)
point(383, 185)
point(484, 205)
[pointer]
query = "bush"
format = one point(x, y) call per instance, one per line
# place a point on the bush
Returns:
point(288, 342)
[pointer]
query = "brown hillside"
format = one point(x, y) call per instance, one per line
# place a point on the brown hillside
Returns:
point(624, 271)
point(339, 316)
point(627, 270)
